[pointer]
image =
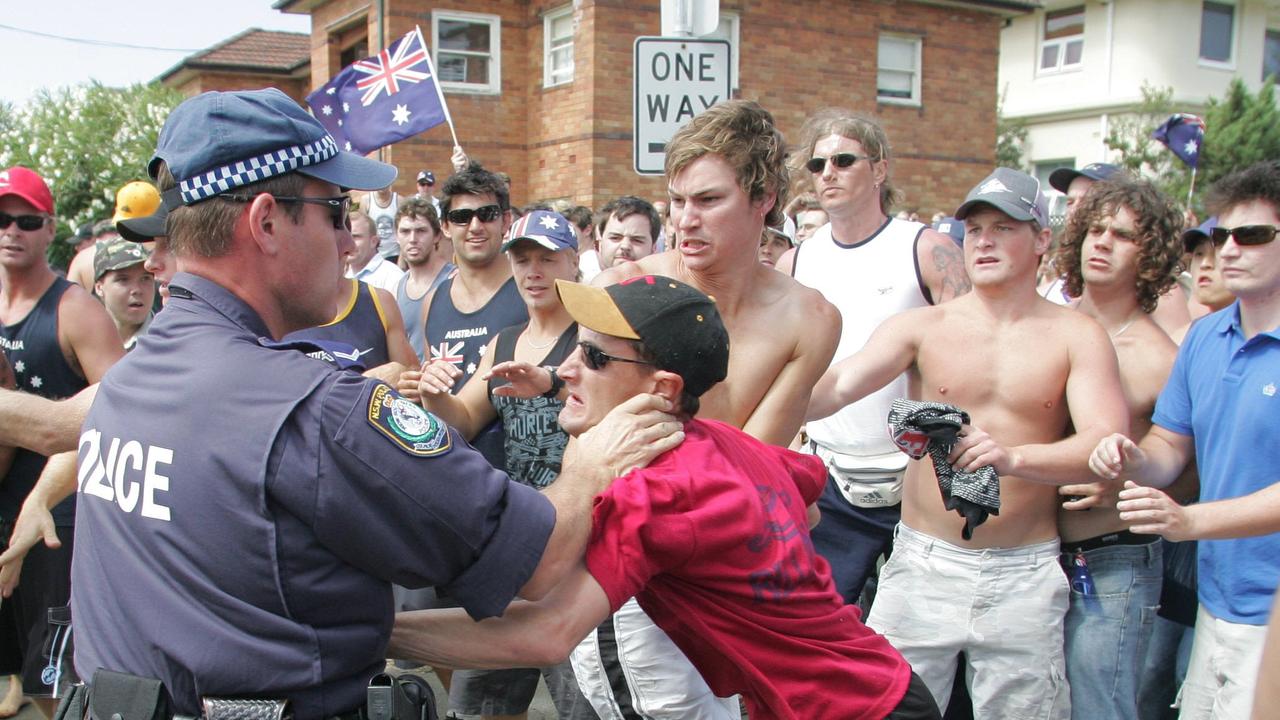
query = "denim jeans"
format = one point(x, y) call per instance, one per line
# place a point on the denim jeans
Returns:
point(1165, 668)
point(1107, 632)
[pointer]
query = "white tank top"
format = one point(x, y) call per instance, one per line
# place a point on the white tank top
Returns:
point(868, 282)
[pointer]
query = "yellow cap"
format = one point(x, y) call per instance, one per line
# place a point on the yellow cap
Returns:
point(136, 199)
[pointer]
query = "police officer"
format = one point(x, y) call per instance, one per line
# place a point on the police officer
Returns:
point(246, 507)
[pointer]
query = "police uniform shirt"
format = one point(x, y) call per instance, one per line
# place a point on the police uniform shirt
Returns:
point(244, 510)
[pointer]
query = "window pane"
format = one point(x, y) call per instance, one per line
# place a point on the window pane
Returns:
point(463, 68)
point(897, 54)
point(562, 27)
point(1215, 31)
point(894, 84)
point(1064, 23)
point(462, 35)
point(1049, 57)
point(1075, 49)
point(1271, 55)
point(562, 60)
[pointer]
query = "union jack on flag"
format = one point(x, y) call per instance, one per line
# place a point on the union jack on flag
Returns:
point(385, 71)
point(382, 99)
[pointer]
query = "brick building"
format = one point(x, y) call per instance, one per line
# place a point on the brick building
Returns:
point(542, 89)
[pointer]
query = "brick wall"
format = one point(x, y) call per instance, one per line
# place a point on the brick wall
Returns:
point(223, 82)
point(574, 141)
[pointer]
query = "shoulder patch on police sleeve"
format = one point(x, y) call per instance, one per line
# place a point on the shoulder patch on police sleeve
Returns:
point(410, 427)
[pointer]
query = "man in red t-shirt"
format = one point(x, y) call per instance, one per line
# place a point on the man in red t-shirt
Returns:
point(712, 538)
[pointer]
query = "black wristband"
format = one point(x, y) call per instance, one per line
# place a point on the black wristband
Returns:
point(557, 384)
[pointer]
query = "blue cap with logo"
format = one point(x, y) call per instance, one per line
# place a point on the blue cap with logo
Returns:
point(1062, 178)
point(1196, 235)
point(218, 141)
point(1013, 193)
point(546, 228)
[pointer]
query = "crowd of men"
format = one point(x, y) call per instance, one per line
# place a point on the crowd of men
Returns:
point(660, 423)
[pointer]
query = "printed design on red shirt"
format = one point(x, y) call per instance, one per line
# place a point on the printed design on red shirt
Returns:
point(793, 564)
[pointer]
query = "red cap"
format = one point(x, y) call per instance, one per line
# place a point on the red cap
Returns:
point(27, 185)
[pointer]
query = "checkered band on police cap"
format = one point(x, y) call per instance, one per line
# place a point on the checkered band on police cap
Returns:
point(244, 172)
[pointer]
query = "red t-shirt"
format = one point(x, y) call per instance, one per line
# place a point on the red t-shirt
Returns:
point(712, 540)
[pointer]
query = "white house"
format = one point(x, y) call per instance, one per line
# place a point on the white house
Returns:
point(1071, 67)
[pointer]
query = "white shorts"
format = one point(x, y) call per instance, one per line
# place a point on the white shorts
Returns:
point(629, 667)
point(1002, 607)
point(1223, 672)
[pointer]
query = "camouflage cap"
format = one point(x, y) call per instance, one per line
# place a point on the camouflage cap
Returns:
point(116, 254)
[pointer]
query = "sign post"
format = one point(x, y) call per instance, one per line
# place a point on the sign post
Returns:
point(675, 80)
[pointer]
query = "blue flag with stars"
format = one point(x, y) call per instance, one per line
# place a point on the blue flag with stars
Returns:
point(1183, 134)
point(382, 99)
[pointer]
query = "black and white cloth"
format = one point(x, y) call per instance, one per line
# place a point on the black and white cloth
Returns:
point(920, 428)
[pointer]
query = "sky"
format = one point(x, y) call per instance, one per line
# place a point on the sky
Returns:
point(166, 30)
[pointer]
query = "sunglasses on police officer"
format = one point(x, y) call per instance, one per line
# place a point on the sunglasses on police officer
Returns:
point(840, 160)
point(1244, 235)
point(26, 223)
point(339, 206)
point(462, 216)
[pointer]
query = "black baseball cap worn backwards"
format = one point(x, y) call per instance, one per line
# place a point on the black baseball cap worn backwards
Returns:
point(218, 141)
point(678, 324)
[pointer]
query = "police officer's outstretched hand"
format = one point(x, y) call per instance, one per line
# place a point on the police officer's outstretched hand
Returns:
point(629, 437)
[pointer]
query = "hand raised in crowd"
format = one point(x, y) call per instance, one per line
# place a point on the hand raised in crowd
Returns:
point(629, 437)
point(975, 449)
point(34, 524)
point(459, 158)
point(1152, 512)
point(437, 378)
point(527, 380)
point(1115, 456)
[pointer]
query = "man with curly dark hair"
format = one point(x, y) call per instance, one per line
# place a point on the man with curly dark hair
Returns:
point(1121, 251)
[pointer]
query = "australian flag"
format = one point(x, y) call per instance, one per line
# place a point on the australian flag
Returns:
point(382, 99)
point(1183, 134)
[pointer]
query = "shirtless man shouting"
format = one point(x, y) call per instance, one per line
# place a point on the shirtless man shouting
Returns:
point(1024, 369)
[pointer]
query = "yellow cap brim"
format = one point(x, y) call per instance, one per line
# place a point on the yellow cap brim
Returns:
point(593, 308)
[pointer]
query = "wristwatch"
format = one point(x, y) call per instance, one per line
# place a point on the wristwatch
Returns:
point(557, 384)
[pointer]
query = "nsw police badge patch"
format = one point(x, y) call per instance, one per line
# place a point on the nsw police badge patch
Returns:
point(410, 427)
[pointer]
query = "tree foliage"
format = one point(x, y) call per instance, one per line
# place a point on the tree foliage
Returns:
point(1011, 138)
point(86, 141)
point(1241, 128)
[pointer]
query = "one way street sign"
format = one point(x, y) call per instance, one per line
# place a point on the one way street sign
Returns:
point(675, 79)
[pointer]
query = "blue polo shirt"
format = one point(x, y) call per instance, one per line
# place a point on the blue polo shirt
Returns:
point(246, 508)
point(1225, 392)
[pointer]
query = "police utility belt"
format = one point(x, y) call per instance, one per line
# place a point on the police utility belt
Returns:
point(869, 481)
point(119, 696)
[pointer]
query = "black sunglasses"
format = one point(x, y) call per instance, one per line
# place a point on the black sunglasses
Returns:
point(597, 359)
point(339, 206)
point(840, 160)
point(1244, 235)
point(462, 216)
point(26, 223)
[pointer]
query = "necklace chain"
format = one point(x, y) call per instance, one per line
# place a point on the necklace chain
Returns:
point(1124, 327)
point(529, 339)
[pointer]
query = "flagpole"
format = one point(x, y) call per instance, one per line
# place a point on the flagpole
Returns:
point(439, 90)
point(1191, 190)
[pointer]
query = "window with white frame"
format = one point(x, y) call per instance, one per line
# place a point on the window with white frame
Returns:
point(728, 30)
point(1217, 32)
point(898, 75)
point(1062, 44)
point(468, 51)
point(557, 47)
point(1271, 55)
